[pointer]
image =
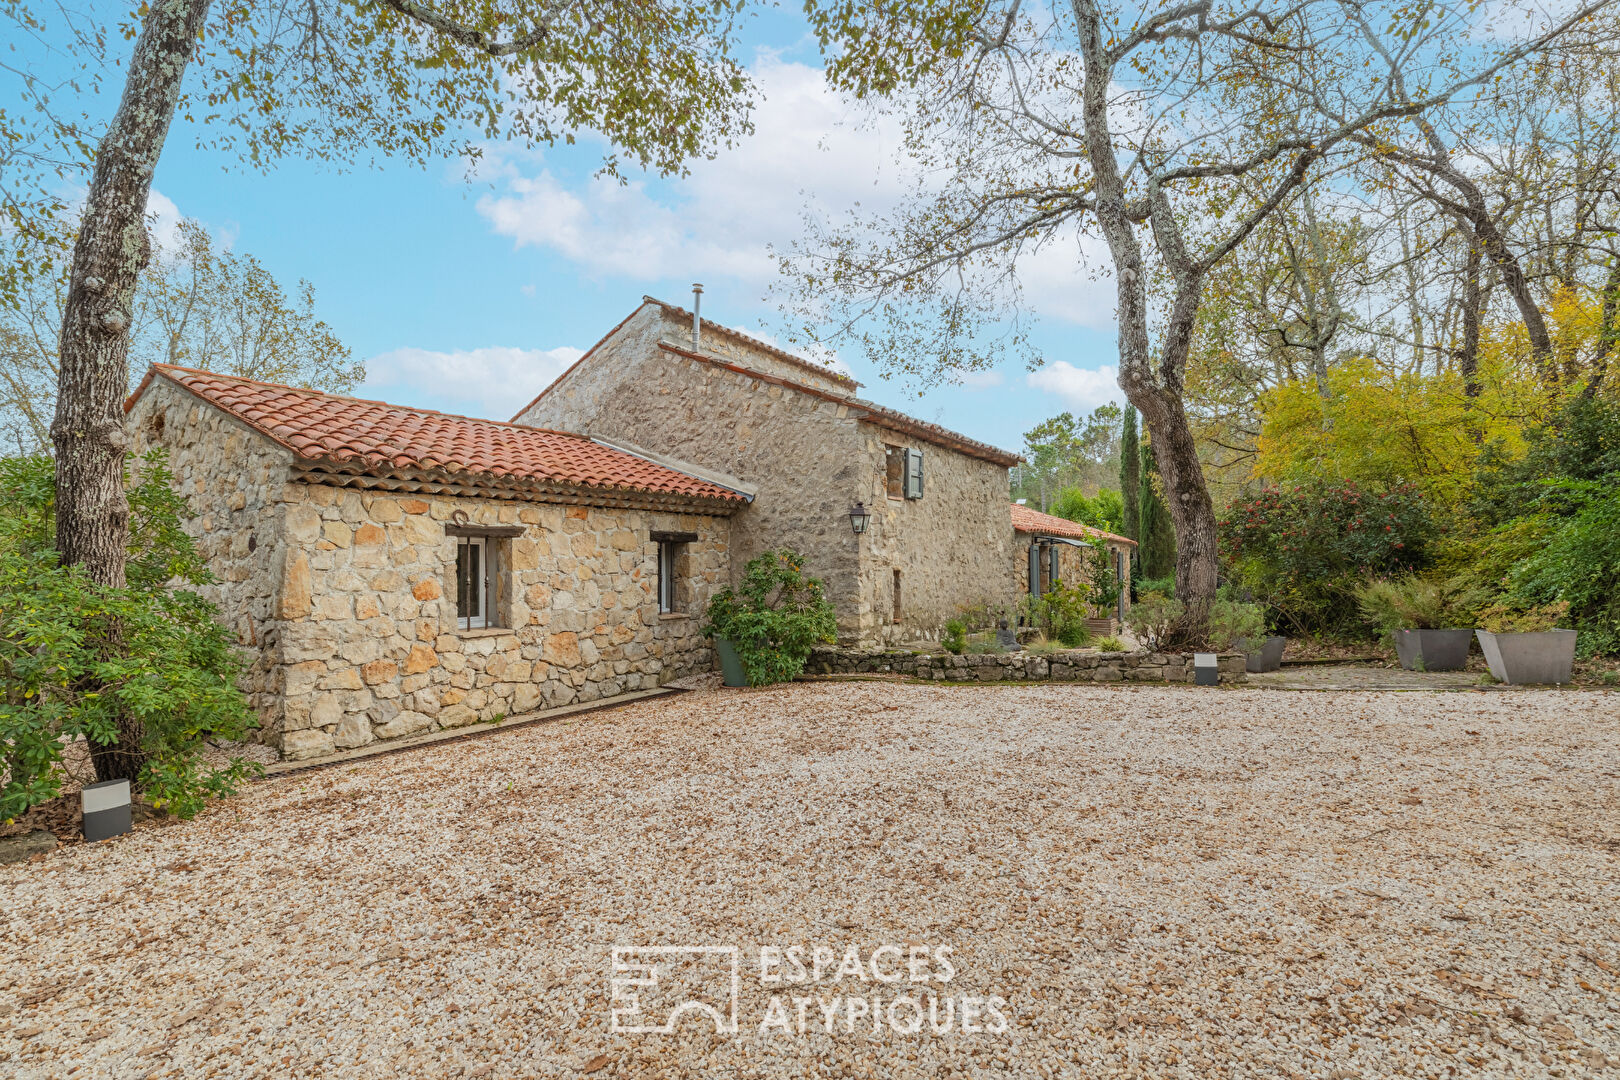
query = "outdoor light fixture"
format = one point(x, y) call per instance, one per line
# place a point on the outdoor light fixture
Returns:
point(106, 809)
point(859, 515)
point(1206, 671)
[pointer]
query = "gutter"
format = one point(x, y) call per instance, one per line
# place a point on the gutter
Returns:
point(718, 479)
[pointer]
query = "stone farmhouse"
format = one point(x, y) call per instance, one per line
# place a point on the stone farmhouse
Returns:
point(398, 570)
point(667, 385)
point(394, 570)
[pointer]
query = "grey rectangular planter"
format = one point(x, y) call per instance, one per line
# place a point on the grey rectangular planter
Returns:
point(1433, 650)
point(1268, 657)
point(1546, 657)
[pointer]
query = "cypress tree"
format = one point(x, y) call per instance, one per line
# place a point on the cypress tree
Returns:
point(1130, 468)
point(1156, 546)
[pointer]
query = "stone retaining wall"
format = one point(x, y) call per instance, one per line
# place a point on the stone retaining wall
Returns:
point(1070, 665)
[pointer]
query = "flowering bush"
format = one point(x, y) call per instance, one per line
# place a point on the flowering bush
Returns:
point(1303, 550)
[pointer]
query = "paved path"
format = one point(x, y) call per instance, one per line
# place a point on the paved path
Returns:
point(1365, 677)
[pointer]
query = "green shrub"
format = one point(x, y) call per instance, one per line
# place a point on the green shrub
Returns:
point(1547, 524)
point(1060, 612)
point(1112, 643)
point(774, 619)
point(1165, 586)
point(1416, 603)
point(1233, 624)
point(1304, 550)
point(1104, 582)
point(954, 636)
point(1511, 619)
point(171, 676)
point(1152, 617)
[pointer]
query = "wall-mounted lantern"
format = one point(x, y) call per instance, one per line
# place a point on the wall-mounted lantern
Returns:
point(859, 517)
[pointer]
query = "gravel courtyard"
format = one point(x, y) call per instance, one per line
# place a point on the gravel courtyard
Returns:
point(1158, 882)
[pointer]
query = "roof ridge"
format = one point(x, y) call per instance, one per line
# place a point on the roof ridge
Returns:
point(812, 365)
point(871, 408)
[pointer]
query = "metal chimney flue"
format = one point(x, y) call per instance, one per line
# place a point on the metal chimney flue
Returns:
point(697, 321)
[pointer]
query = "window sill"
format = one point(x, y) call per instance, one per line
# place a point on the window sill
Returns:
point(483, 631)
point(672, 615)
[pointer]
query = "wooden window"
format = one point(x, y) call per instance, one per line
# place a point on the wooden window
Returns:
point(913, 487)
point(897, 596)
point(895, 464)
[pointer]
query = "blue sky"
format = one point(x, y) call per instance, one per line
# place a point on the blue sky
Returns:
point(470, 296)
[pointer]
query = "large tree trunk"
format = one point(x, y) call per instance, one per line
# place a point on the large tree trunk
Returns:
point(1468, 355)
point(92, 516)
point(1608, 330)
point(1159, 401)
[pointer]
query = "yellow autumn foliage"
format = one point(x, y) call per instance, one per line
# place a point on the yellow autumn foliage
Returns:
point(1383, 424)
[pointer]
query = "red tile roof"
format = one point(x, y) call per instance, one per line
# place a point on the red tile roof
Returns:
point(1025, 520)
point(352, 435)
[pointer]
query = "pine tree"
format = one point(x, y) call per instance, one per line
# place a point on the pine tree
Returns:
point(1130, 469)
point(1156, 546)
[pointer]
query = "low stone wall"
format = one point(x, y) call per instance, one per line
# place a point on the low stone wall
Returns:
point(1070, 665)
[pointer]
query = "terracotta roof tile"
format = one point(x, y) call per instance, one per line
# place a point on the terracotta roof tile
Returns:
point(375, 436)
point(1025, 520)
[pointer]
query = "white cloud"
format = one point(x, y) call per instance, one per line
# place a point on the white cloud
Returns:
point(163, 220)
point(720, 220)
point(980, 380)
point(1082, 388)
point(810, 150)
point(491, 382)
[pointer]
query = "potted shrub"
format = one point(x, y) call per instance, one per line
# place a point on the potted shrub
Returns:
point(1241, 627)
point(1430, 621)
point(764, 630)
point(1523, 645)
point(1104, 592)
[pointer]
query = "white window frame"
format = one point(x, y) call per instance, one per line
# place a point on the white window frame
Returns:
point(668, 555)
point(482, 588)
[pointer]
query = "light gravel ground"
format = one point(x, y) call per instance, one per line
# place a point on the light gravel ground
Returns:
point(1161, 882)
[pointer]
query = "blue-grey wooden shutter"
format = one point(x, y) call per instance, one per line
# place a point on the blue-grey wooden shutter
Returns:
point(914, 474)
point(1052, 561)
point(1034, 569)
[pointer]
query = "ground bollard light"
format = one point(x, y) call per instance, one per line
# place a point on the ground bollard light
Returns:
point(1206, 670)
point(106, 809)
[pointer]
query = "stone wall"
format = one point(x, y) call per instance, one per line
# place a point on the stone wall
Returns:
point(370, 647)
point(1074, 564)
point(810, 459)
point(1069, 665)
point(233, 480)
point(951, 546)
point(345, 597)
point(801, 452)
